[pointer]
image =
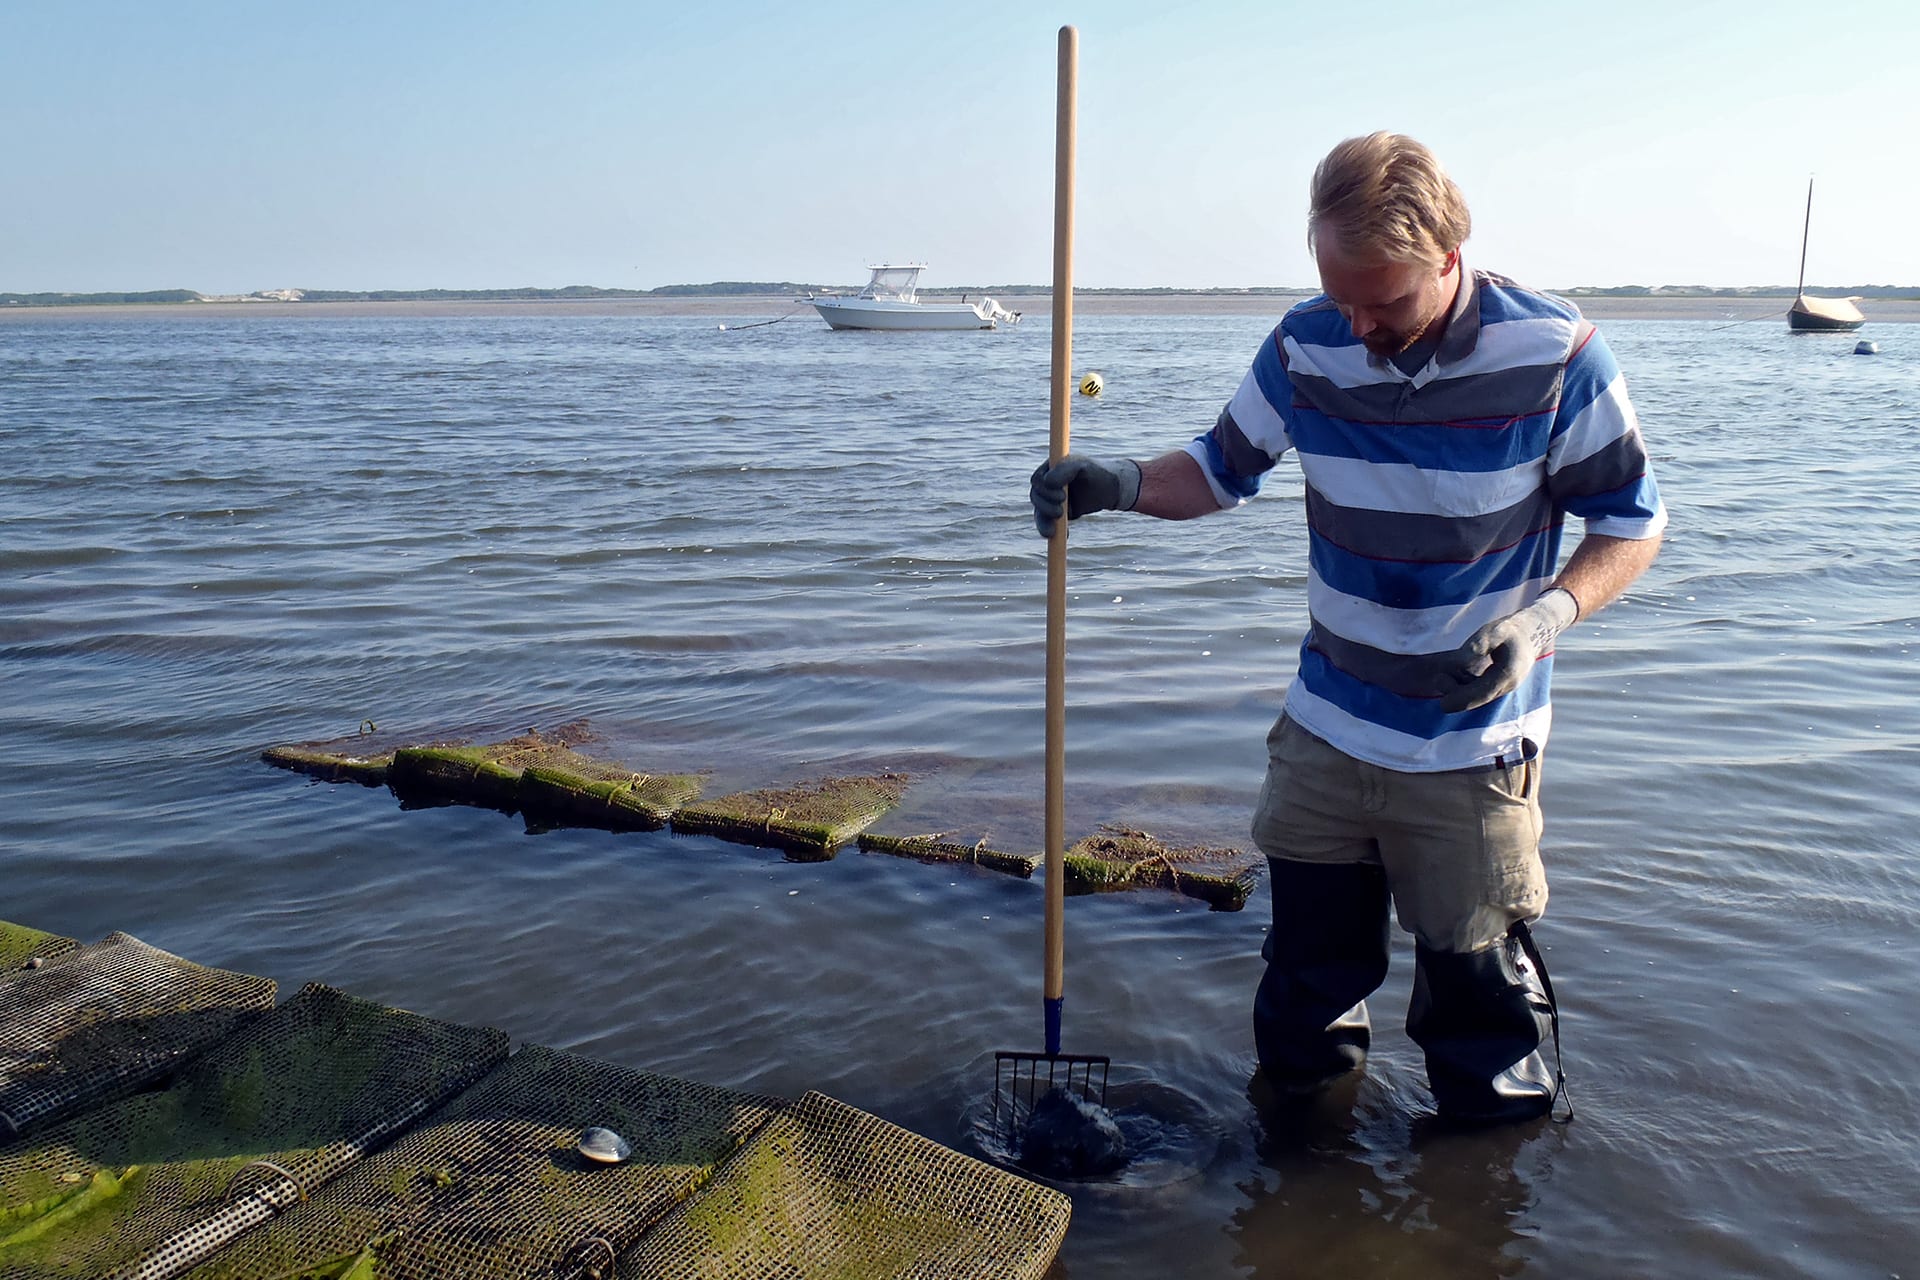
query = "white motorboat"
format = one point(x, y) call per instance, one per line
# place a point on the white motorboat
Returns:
point(890, 301)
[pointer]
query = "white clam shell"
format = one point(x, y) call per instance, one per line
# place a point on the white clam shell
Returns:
point(604, 1146)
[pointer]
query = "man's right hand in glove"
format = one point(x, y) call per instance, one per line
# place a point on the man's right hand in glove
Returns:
point(1078, 484)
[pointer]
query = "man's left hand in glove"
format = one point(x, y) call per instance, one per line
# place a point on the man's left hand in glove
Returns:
point(1497, 657)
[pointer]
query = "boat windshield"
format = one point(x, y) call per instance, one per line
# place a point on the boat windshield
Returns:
point(892, 283)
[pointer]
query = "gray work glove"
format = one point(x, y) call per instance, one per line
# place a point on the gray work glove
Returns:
point(1078, 484)
point(1497, 657)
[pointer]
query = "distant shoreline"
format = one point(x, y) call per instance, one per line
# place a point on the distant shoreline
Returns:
point(748, 308)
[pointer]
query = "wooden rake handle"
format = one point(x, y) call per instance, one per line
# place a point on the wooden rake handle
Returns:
point(1059, 401)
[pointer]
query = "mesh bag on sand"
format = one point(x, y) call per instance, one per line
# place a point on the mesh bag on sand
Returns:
point(495, 1185)
point(103, 1020)
point(826, 1192)
point(153, 1183)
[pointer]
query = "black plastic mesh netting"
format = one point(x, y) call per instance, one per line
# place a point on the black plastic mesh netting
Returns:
point(151, 1184)
point(825, 1191)
point(494, 1185)
point(105, 1019)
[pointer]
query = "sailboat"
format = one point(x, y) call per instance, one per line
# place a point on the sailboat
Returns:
point(1819, 315)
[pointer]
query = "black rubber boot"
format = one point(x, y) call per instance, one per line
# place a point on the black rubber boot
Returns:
point(1482, 1017)
point(1326, 952)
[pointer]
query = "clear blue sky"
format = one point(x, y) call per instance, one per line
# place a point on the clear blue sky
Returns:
point(229, 147)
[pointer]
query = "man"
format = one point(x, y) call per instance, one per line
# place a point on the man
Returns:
point(1446, 422)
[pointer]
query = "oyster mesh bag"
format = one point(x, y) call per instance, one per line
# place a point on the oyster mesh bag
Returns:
point(105, 1019)
point(495, 1184)
point(148, 1185)
point(826, 1191)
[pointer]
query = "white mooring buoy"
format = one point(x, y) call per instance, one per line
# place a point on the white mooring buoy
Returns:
point(1865, 348)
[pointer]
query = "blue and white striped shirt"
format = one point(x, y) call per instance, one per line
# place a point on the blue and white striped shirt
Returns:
point(1434, 505)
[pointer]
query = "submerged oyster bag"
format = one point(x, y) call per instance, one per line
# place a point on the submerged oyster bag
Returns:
point(825, 1191)
point(332, 763)
point(103, 1020)
point(1118, 858)
point(498, 1183)
point(546, 777)
point(808, 822)
point(154, 1183)
point(487, 775)
point(569, 789)
point(935, 849)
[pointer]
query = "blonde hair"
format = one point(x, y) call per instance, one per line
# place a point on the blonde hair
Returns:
point(1386, 194)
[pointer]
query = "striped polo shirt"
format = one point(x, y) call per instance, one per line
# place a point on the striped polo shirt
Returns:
point(1435, 501)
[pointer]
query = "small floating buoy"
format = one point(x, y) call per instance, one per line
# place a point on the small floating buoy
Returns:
point(604, 1146)
point(1091, 384)
point(1865, 348)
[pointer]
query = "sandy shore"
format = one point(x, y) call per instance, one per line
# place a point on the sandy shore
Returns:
point(746, 308)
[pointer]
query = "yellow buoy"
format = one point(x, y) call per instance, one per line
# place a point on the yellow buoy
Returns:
point(1091, 384)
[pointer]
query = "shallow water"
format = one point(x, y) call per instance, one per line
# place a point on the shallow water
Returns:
point(778, 552)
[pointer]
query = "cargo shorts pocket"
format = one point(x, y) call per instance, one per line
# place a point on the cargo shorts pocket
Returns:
point(1511, 827)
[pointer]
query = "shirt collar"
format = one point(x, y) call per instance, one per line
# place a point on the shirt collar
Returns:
point(1463, 322)
point(1457, 339)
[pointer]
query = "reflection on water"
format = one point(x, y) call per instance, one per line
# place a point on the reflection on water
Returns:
point(772, 553)
point(1361, 1181)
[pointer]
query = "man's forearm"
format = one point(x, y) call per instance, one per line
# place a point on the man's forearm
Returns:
point(1601, 569)
point(1173, 487)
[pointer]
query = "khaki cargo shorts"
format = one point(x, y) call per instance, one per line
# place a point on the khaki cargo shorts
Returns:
point(1461, 850)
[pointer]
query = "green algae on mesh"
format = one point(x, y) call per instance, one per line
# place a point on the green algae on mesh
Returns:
point(807, 822)
point(487, 775)
point(47, 1215)
point(493, 1183)
point(569, 789)
point(826, 1190)
point(19, 945)
point(934, 849)
point(1119, 858)
point(317, 760)
point(301, 1089)
point(453, 775)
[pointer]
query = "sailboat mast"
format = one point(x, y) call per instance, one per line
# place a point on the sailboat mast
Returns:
point(1804, 228)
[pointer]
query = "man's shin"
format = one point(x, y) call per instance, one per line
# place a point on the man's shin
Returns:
point(1483, 1017)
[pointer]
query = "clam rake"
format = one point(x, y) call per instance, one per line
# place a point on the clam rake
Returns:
point(1021, 1080)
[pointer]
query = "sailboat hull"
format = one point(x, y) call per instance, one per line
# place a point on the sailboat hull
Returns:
point(1832, 317)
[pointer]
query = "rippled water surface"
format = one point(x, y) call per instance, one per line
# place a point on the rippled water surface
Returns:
point(780, 552)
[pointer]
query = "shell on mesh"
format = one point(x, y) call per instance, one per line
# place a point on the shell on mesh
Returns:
point(827, 1191)
point(495, 1184)
point(149, 1185)
point(105, 1019)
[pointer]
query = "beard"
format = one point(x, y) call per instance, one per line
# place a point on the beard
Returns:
point(1390, 344)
